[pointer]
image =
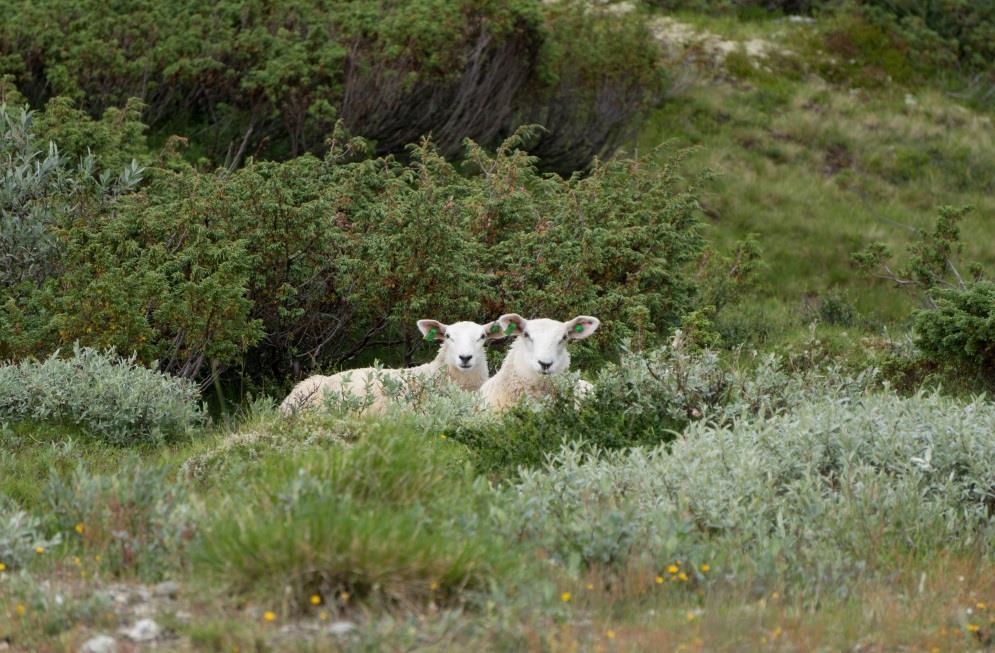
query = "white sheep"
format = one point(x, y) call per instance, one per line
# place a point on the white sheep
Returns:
point(539, 351)
point(461, 355)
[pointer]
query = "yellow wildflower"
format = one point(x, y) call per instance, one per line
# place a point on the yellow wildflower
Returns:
point(79, 528)
point(269, 615)
point(322, 615)
point(610, 634)
point(672, 569)
point(20, 609)
point(691, 616)
point(434, 585)
point(973, 628)
point(39, 550)
point(565, 597)
point(705, 568)
point(315, 599)
point(344, 596)
point(981, 606)
point(659, 579)
point(3, 567)
point(682, 576)
point(590, 586)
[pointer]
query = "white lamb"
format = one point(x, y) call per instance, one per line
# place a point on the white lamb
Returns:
point(539, 351)
point(461, 355)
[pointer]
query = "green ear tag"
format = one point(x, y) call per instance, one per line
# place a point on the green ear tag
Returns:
point(495, 327)
point(511, 327)
point(579, 328)
point(430, 335)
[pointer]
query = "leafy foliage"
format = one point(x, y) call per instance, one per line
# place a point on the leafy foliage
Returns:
point(38, 192)
point(647, 399)
point(824, 490)
point(956, 325)
point(961, 329)
point(282, 267)
point(113, 397)
point(270, 80)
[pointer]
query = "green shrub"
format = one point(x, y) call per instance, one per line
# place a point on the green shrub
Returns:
point(277, 268)
point(961, 329)
point(955, 329)
point(113, 397)
point(138, 519)
point(393, 517)
point(825, 490)
point(38, 191)
point(21, 534)
point(258, 79)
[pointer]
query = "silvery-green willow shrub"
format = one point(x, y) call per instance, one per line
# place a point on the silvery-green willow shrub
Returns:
point(648, 398)
point(138, 519)
point(844, 484)
point(113, 397)
point(21, 535)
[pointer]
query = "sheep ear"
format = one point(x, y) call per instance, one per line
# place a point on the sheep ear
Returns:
point(493, 330)
point(512, 324)
point(582, 326)
point(432, 329)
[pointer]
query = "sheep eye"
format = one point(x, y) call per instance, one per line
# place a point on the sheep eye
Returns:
point(483, 335)
point(447, 337)
point(525, 334)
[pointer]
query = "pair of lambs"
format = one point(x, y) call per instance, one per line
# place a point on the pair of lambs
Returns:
point(539, 351)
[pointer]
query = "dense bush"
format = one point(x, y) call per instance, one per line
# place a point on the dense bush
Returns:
point(281, 267)
point(832, 487)
point(961, 329)
point(39, 188)
point(110, 396)
point(263, 79)
point(392, 517)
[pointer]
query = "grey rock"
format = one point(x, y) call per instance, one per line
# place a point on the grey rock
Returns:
point(168, 589)
point(341, 628)
point(99, 644)
point(143, 630)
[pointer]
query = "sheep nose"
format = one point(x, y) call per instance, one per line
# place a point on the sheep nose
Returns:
point(466, 359)
point(545, 366)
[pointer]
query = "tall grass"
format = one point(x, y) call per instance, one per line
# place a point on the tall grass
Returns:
point(391, 518)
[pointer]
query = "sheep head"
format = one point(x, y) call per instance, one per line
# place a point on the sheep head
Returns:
point(462, 342)
point(541, 348)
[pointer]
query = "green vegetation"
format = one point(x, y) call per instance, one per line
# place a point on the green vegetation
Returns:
point(788, 445)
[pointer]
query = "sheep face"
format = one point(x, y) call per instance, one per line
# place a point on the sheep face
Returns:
point(462, 342)
point(542, 343)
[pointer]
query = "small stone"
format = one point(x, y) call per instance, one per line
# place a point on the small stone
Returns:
point(99, 644)
point(144, 630)
point(168, 589)
point(341, 628)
